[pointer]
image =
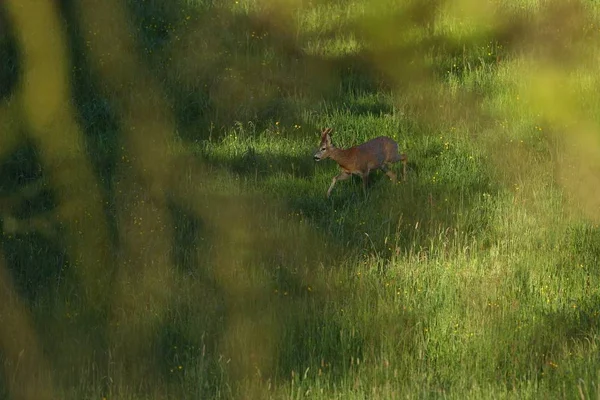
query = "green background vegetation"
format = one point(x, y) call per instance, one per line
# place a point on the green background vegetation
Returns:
point(165, 232)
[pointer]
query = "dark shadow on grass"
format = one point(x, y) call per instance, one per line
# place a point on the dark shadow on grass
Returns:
point(259, 166)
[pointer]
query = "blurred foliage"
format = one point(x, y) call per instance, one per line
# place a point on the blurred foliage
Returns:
point(164, 231)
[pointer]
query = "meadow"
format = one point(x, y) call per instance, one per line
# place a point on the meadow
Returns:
point(165, 231)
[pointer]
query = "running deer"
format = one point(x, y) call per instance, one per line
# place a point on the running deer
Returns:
point(378, 153)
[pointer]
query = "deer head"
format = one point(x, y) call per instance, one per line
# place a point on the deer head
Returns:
point(325, 146)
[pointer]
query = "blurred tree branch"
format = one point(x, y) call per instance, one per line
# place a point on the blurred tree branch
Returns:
point(156, 169)
point(12, 137)
point(45, 100)
point(144, 280)
point(9, 126)
point(27, 374)
point(154, 172)
point(44, 223)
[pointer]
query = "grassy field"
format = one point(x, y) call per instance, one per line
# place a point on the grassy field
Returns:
point(166, 232)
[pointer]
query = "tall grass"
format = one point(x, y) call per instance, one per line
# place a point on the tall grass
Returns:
point(476, 278)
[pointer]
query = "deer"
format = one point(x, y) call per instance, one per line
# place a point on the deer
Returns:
point(378, 153)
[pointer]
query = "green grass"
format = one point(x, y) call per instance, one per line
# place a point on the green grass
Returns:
point(476, 278)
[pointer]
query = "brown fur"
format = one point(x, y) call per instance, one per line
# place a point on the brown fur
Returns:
point(378, 153)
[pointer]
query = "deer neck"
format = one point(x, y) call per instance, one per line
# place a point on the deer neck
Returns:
point(340, 156)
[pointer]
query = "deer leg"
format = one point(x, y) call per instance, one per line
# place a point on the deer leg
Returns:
point(365, 179)
point(404, 159)
point(341, 177)
point(389, 173)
